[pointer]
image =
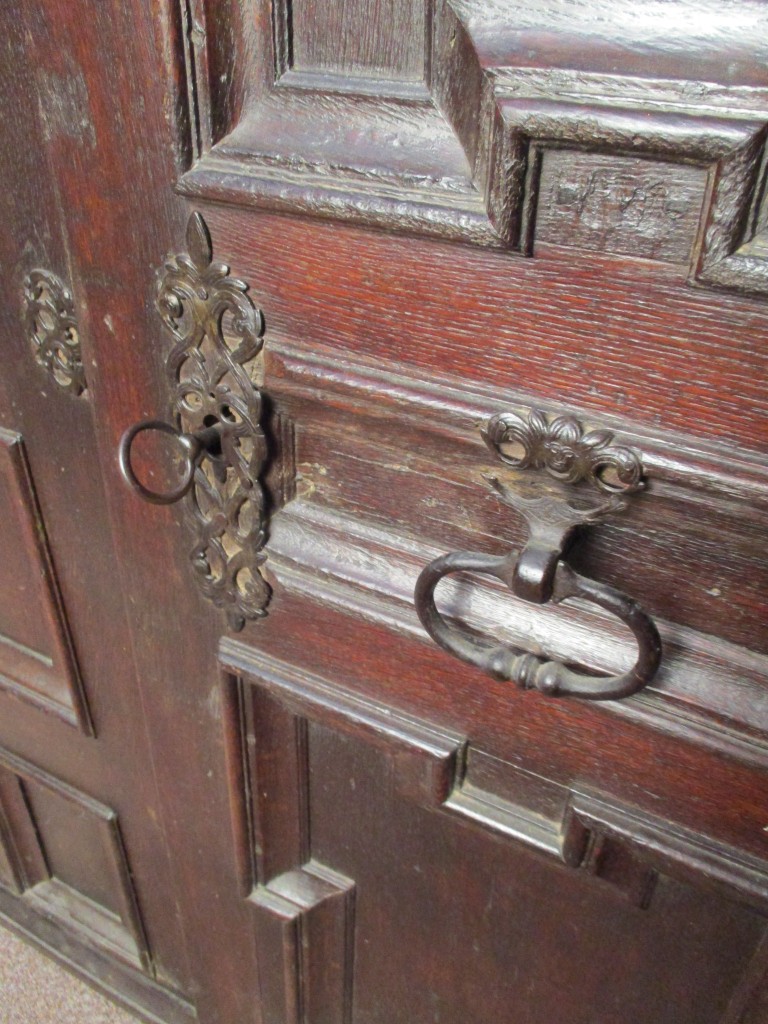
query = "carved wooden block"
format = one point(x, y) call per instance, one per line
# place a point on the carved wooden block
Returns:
point(619, 204)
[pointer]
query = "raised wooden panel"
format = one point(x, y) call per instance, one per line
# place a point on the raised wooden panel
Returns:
point(487, 949)
point(373, 780)
point(462, 155)
point(377, 39)
point(37, 660)
point(68, 863)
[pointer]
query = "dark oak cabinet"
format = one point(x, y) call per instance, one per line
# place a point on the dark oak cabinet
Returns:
point(410, 278)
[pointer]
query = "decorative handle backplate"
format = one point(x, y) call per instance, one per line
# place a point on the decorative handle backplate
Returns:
point(213, 369)
point(538, 574)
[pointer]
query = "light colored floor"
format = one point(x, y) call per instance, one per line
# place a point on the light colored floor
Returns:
point(35, 990)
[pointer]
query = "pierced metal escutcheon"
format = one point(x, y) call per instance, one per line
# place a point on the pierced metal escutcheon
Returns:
point(214, 369)
point(553, 512)
point(51, 325)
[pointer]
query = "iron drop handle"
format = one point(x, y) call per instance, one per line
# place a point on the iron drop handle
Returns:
point(527, 670)
point(538, 574)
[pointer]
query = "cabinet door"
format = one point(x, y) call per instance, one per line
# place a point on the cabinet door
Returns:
point(85, 868)
point(233, 763)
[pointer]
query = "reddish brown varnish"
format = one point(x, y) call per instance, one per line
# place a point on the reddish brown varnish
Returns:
point(445, 209)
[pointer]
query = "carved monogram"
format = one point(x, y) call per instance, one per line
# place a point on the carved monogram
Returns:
point(49, 320)
point(215, 368)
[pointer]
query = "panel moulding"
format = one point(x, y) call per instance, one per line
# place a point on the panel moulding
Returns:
point(460, 153)
point(50, 678)
point(269, 701)
point(30, 843)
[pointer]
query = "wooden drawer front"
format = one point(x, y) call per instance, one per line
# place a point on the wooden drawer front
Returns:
point(390, 473)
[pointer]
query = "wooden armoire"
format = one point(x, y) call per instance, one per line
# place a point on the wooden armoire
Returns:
point(383, 488)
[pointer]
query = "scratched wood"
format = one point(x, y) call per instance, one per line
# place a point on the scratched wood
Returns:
point(374, 40)
point(440, 208)
point(597, 332)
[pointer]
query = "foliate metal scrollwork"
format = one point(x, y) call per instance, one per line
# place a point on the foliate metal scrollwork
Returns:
point(538, 574)
point(564, 450)
point(215, 368)
point(50, 324)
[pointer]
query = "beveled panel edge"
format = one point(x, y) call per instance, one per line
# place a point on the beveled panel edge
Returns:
point(673, 849)
point(667, 847)
point(306, 695)
point(309, 909)
point(16, 880)
point(130, 920)
point(13, 688)
point(78, 714)
point(299, 905)
point(412, 93)
point(337, 197)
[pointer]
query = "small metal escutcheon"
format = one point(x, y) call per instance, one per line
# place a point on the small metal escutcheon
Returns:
point(51, 325)
point(605, 472)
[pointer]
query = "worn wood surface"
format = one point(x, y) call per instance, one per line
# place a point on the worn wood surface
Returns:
point(594, 333)
point(369, 39)
point(50, 139)
point(445, 211)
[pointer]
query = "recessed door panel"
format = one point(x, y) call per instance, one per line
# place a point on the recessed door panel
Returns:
point(37, 660)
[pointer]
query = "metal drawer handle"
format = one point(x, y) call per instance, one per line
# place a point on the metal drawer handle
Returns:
point(528, 670)
point(538, 573)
